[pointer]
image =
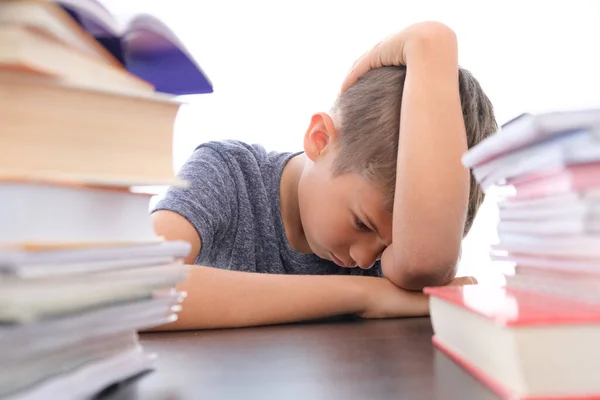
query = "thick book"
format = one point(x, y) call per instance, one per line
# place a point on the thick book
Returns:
point(64, 132)
point(48, 213)
point(145, 46)
point(53, 21)
point(30, 50)
point(521, 344)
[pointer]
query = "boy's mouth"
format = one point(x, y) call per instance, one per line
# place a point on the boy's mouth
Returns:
point(338, 261)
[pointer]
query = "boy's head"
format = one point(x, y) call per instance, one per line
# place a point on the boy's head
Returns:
point(352, 178)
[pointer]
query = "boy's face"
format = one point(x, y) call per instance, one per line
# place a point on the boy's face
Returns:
point(343, 217)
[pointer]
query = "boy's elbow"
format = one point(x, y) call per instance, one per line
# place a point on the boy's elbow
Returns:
point(415, 273)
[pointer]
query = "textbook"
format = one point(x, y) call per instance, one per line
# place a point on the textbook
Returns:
point(518, 343)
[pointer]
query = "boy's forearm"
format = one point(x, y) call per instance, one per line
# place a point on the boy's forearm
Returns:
point(225, 299)
point(431, 185)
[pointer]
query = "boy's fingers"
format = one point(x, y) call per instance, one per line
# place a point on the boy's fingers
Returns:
point(370, 60)
point(464, 280)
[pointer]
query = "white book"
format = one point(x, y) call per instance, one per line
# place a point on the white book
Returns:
point(54, 213)
point(582, 288)
point(26, 372)
point(576, 246)
point(91, 378)
point(588, 196)
point(16, 340)
point(556, 227)
point(566, 149)
point(528, 129)
point(554, 263)
point(83, 260)
point(28, 300)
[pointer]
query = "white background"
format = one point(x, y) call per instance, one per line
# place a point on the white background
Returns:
point(274, 63)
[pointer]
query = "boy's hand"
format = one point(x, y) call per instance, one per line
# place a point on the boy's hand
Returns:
point(395, 50)
point(386, 300)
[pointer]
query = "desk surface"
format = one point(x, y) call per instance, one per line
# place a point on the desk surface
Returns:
point(386, 359)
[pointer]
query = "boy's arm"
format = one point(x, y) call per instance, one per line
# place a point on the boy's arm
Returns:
point(220, 298)
point(432, 186)
point(228, 299)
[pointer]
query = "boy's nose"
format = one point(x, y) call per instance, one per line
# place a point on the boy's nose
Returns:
point(366, 255)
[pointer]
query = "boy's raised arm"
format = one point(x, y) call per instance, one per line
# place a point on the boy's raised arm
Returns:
point(432, 186)
point(221, 299)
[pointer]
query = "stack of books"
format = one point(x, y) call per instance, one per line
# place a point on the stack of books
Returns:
point(536, 336)
point(87, 125)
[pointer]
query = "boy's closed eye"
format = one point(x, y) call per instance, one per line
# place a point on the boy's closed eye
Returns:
point(361, 226)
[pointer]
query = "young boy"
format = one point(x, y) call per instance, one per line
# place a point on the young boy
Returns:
point(371, 211)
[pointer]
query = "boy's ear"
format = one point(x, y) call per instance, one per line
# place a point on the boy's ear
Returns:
point(320, 136)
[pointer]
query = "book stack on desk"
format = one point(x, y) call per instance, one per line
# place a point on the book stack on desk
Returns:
point(534, 337)
point(87, 129)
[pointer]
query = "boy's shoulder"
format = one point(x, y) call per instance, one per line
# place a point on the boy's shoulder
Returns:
point(234, 148)
point(240, 152)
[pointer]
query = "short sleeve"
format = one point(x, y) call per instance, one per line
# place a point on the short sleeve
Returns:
point(209, 201)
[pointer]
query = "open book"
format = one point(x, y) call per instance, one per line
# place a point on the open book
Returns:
point(144, 45)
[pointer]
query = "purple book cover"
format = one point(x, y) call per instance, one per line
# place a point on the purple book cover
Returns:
point(147, 48)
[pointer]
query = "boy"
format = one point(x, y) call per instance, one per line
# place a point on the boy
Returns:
point(283, 237)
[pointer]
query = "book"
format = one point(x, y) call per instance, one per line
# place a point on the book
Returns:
point(529, 129)
point(574, 204)
point(89, 379)
point(521, 344)
point(572, 178)
point(73, 343)
point(62, 132)
point(28, 50)
point(55, 212)
point(572, 246)
point(53, 21)
point(66, 260)
point(32, 299)
point(570, 148)
point(549, 262)
point(568, 225)
point(20, 373)
point(583, 286)
point(144, 45)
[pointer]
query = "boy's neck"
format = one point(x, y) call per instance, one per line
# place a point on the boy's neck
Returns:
point(290, 208)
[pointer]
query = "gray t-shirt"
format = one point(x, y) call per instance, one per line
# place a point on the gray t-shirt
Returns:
point(233, 202)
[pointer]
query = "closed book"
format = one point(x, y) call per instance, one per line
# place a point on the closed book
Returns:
point(521, 344)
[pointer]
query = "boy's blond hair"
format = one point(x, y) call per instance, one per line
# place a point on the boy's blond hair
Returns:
point(368, 120)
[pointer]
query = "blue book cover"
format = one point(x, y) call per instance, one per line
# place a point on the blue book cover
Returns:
point(146, 47)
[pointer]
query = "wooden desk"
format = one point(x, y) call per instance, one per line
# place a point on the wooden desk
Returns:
point(386, 359)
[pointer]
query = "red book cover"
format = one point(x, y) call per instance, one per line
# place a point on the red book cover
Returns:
point(510, 307)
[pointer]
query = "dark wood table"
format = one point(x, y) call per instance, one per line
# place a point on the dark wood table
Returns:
point(342, 359)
